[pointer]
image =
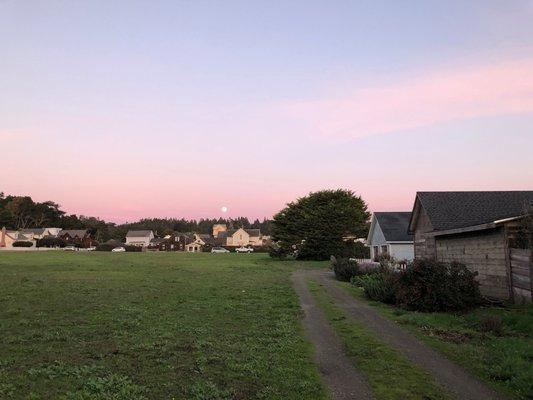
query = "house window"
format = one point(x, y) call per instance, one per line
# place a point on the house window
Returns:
point(384, 249)
point(376, 252)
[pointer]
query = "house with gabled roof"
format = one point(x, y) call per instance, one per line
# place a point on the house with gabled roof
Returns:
point(388, 235)
point(77, 237)
point(243, 237)
point(481, 230)
point(139, 238)
point(8, 237)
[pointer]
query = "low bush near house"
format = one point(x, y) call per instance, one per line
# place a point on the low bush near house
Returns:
point(435, 286)
point(50, 242)
point(344, 268)
point(133, 248)
point(105, 247)
point(381, 286)
point(278, 252)
point(369, 268)
point(22, 244)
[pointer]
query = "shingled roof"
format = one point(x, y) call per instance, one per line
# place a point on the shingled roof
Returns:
point(144, 233)
point(73, 232)
point(251, 232)
point(453, 210)
point(35, 231)
point(395, 225)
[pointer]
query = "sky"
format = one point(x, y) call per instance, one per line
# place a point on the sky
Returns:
point(132, 109)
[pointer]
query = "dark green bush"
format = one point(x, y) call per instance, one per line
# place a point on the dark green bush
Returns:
point(430, 285)
point(22, 244)
point(344, 269)
point(133, 248)
point(353, 249)
point(105, 247)
point(279, 252)
point(381, 286)
point(50, 242)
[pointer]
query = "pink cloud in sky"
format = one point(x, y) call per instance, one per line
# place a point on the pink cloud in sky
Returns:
point(432, 98)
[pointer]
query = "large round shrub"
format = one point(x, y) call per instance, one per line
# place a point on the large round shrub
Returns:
point(317, 224)
point(22, 244)
point(430, 285)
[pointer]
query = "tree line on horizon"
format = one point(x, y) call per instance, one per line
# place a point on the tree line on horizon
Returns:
point(21, 212)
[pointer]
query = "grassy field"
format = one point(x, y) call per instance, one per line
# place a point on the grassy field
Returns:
point(495, 343)
point(151, 326)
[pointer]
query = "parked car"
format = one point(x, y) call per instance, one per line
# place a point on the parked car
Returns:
point(91, 248)
point(118, 249)
point(219, 250)
point(244, 250)
point(70, 248)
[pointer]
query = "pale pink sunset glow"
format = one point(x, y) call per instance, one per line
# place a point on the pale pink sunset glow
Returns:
point(163, 113)
point(433, 97)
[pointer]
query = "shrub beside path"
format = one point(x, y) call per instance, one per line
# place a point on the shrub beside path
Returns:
point(448, 374)
point(343, 380)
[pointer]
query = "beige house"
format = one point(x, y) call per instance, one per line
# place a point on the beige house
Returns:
point(7, 238)
point(244, 237)
point(237, 237)
point(196, 246)
point(218, 228)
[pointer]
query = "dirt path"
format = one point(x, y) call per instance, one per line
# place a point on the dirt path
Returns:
point(337, 370)
point(452, 377)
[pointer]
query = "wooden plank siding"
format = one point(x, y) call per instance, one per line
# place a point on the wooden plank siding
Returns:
point(521, 267)
point(484, 252)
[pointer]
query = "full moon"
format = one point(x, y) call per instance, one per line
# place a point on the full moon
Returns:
point(224, 209)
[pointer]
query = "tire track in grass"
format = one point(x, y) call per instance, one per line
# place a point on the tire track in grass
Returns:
point(343, 380)
point(390, 375)
point(448, 374)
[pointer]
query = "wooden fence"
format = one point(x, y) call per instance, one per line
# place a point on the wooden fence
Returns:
point(521, 274)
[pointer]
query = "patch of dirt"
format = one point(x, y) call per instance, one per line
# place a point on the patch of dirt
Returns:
point(448, 336)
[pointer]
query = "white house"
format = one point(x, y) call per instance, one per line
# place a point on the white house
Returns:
point(139, 238)
point(389, 234)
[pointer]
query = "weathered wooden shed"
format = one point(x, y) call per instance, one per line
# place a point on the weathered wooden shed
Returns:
point(487, 231)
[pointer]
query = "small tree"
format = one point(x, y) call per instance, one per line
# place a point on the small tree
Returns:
point(316, 224)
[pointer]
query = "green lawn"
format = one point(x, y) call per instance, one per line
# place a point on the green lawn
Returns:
point(495, 343)
point(151, 326)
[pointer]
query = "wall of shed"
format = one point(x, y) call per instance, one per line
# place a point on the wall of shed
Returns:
point(424, 245)
point(482, 251)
